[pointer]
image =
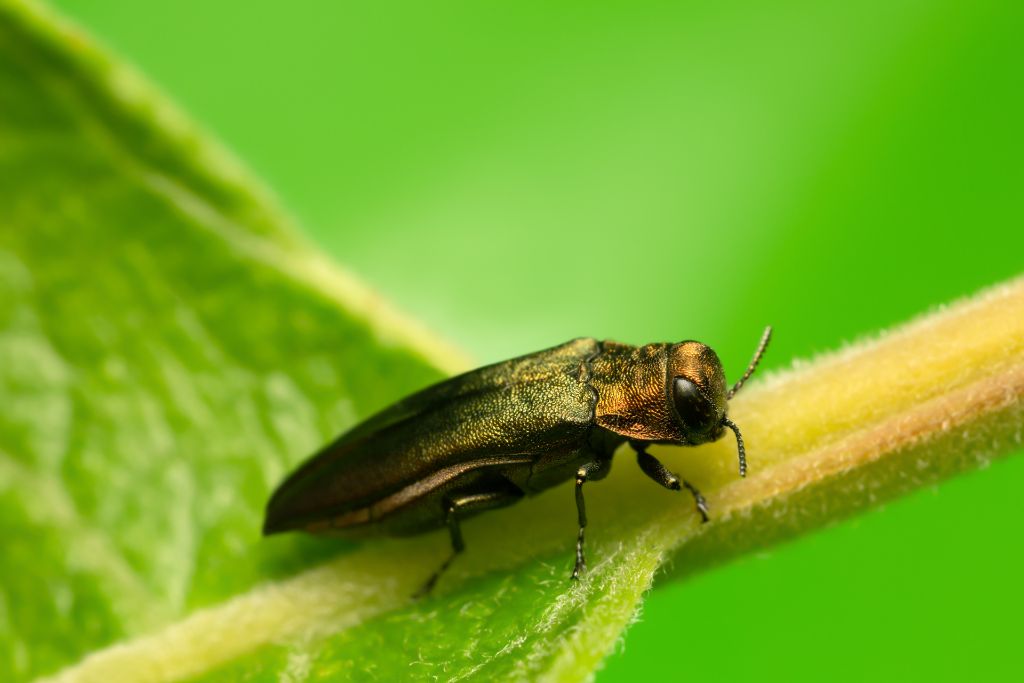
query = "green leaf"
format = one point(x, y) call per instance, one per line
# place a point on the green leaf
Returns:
point(169, 349)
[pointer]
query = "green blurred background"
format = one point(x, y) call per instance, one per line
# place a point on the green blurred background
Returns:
point(518, 175)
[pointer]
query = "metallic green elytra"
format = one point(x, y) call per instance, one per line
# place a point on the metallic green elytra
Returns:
point(486, 438)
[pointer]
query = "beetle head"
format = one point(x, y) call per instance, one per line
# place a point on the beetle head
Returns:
point(699, 397)
point(697, 387)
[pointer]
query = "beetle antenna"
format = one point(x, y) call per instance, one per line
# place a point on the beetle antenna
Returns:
point(739, 442)
point(765, 338)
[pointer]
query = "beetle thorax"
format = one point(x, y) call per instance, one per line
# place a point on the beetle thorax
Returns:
point(631, 392)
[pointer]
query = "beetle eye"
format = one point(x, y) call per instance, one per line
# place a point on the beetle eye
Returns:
point(693, 409)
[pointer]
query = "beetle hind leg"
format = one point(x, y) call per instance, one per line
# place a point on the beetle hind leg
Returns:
point(462, 504)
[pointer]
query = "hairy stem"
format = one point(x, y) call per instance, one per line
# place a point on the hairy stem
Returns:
point(937, 396)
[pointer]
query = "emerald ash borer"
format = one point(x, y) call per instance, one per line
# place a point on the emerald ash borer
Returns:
point(489, 437)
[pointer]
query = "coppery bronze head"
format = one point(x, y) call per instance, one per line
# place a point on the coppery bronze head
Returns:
point(696, 384)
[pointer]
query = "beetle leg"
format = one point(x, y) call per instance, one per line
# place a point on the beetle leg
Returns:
point(592, 470)
point(459, 505)
point(653, 468)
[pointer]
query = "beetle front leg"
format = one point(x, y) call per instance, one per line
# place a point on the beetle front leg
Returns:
point(592, 470)
point(653, 468)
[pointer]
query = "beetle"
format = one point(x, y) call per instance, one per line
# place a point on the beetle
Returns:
point(489, 437)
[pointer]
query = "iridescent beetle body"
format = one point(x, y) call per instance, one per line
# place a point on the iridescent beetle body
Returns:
point(486, 438)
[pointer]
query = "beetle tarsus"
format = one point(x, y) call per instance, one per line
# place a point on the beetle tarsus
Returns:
point(429, 584)
point(702, 505)
point(581, 562)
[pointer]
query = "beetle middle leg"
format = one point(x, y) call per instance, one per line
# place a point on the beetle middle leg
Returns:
point(653, 468)
point(460, 504)
point(591, 471)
